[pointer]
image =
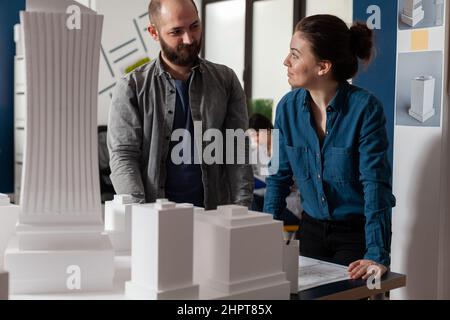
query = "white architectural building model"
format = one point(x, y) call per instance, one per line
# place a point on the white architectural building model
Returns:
point(118, 222)
point(59, 245)
point(422, 98)
point(232, 253)
point(162, 252)
point(239, 255)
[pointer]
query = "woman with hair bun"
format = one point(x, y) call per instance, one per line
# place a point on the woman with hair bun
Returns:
point(332, 139)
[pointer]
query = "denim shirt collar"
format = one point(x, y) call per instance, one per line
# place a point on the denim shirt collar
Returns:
point(159, 66)
point(336, 103)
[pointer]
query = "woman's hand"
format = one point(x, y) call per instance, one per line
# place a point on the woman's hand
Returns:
point(365, 268)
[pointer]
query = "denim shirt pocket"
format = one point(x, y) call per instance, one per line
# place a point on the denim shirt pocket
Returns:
point(344, 164)
point(298, 158)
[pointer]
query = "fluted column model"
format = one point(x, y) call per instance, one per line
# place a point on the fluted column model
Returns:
point(59, 244)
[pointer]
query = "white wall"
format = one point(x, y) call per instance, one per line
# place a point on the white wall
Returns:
point(225, 34)
point(444, 239)
point(421, 220)
point(415, 239)
point(272, 31)
point(341, 8)
point(123, 21)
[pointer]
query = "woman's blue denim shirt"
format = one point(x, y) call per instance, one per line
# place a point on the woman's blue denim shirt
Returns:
point(348, 174)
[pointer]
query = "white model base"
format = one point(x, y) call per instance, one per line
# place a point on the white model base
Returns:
point(9, 215)
point(412, 21)
point(278, 291)
point(4, 294)
point(121, 242)
point(422, 117)
point(137, 292)
point(47, 271)
point(247, 284)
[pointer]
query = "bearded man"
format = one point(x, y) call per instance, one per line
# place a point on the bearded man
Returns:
point(177, 91)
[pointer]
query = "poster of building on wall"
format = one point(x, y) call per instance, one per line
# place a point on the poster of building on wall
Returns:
point(420, 63)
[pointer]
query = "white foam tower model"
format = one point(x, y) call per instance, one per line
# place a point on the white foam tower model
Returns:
point(60, 245)
point(232, 253)
point(118, 223)
point(162, 252)
point(239, 255)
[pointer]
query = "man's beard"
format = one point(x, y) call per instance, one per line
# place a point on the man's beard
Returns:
point(183, 55)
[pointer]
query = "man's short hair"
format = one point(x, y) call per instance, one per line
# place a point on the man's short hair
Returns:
point(154, 10)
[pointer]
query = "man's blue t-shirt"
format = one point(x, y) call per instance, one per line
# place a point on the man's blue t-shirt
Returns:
point(184, 181)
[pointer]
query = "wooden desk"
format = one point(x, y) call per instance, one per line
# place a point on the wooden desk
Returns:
point(352, 289)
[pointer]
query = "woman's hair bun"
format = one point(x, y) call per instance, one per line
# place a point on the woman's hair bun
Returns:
point(361, 40)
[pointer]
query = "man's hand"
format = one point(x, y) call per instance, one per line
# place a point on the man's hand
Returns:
point(365, 268)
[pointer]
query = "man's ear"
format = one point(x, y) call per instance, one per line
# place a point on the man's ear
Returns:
point(153, 32)
point(325, 67)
